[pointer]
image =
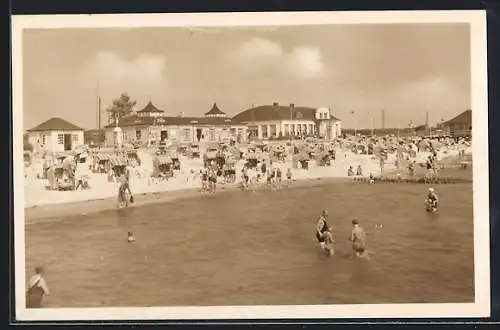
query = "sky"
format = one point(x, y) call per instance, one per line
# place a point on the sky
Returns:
point(405, 69)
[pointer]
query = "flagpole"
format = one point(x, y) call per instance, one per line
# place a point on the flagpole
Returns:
point(371, 121)
point(98, 114)
point(355, 122)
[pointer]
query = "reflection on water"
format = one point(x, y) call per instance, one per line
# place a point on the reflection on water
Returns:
point(246, 248)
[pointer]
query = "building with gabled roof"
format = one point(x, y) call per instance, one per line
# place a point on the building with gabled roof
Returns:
point(460, 124)
point(55, 135)
point(268, 121)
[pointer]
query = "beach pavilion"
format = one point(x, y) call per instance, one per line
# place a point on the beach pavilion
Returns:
point(150, 125)
point(274, 121)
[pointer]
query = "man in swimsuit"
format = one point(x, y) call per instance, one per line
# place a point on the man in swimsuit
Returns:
point(321, 228)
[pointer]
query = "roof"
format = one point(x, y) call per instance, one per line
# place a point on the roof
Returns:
point(215, 111)
point(465, 118)
point(55, 124)
point(134, 120)
point(150, 107)
point(276, 112)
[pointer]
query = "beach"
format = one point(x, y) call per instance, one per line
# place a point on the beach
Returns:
point(44, 205)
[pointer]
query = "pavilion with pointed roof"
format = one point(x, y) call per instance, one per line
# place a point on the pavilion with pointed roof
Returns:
point(150, 125)
point(150, 110)
point(215, 112)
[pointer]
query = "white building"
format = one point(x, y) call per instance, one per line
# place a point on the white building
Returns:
point(150, 125)
point(272, 121)
point(55, 135)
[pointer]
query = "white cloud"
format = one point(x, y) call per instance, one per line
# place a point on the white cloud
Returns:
point(258, 49)
point(306, 62)
point(259, 53)
point(144, 69)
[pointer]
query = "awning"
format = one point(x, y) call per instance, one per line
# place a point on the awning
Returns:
point(163, 159)
point(118, 161)
point(102, 157)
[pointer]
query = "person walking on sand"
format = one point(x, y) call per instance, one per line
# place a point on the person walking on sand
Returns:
point(37, 288)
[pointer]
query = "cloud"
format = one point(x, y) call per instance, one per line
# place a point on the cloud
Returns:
point(306, 62)
point(263, 54)
point(259, 49)
point(142, 77)
point(144, 69)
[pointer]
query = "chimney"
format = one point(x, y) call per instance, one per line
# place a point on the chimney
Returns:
point(181, 114)
point(292, 105)
point(275, 104)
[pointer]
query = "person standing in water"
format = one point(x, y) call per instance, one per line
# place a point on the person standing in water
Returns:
point(37, 288)
point(328, 242)
point(432, 200)
point(321, 228)
point(358, 239)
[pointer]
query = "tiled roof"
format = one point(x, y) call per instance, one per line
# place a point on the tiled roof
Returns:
point(150, 108)
point(215, 111)
point(55, 124)
point(276, 112)
point(134, 120)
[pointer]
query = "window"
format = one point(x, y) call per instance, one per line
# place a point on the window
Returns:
point(125, 136)
point(299, 115)
point(60, 138)
point(43, 139)
point(138, 134)
point(273, 130)
point(74, 138)
point(264, 131)
point(211, 134)
point(186, 134)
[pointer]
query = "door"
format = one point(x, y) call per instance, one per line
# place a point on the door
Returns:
point(163, 136)
point(198, 134)
point(67, 142)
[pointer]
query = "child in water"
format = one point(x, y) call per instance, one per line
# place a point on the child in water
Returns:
point(328, 242)
point(131, 237)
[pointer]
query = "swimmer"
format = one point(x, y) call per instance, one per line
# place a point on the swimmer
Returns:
point(431, 201)
point(328, 247)
point(130, 237)
point(321, 228)
point(358, 239)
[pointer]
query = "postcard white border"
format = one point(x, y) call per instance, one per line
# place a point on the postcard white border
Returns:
point(477, 21)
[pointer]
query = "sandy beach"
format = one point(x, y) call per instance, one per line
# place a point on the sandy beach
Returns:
point(43, 205)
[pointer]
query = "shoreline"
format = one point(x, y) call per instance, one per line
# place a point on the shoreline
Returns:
point(47, 212)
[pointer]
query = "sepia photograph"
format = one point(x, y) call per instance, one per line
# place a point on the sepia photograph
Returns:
point(251, 165)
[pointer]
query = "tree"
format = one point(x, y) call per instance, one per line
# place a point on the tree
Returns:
point(121, 107)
